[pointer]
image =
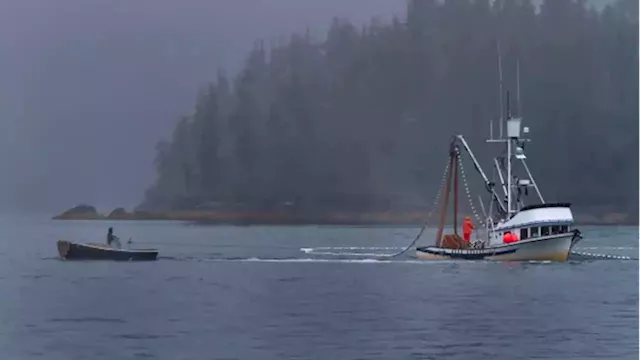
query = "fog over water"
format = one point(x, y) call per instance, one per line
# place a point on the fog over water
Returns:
point(88, 88)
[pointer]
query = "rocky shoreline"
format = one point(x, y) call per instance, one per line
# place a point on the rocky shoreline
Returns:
point(87, 212)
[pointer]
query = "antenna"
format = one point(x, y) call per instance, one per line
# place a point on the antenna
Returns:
point(491, 130)
point(509, 135)
point(519, 108)
point(508, 109)
point(500, 72)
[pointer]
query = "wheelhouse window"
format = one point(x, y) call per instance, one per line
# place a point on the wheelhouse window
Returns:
point(535, 231)
point(524, 234)
point(544, 230)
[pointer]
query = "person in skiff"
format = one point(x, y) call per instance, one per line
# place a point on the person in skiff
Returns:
point(467, 229)
point(111, 238)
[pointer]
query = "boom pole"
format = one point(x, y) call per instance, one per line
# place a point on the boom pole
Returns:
point(445, 204)
point(455, 192)
point(488, 184)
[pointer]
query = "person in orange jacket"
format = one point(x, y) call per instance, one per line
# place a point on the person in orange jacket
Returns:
point(467, 228)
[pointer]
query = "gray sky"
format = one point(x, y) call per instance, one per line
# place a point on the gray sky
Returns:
point(88, 87)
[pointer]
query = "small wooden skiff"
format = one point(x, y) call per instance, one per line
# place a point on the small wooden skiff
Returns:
point(86, 251)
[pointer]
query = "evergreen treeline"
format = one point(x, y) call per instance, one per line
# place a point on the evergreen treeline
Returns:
point(361, 120)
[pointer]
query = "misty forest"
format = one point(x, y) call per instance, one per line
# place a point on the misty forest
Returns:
point(361, 119)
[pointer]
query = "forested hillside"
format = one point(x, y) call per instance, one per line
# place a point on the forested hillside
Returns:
point(360, 120)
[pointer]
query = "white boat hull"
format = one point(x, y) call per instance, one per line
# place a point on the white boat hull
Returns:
point(549, 248)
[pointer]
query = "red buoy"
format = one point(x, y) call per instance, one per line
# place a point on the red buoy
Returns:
point(508, 238)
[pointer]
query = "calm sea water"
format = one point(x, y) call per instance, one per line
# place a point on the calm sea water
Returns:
point(306, 293)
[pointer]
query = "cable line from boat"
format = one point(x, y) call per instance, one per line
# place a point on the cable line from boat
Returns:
point(433, 208)
point(466, 188)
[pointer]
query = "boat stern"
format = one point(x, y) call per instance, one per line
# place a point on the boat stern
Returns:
point(86, 251)
point(63, 248)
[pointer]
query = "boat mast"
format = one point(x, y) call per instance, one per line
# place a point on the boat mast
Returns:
point(512, 136)
point(501, 103)
point(515, 149)
point(526, 130)
point(519, 113)
point(501, 139)
point(447, 190)
point(509, 135)
point(519, 107)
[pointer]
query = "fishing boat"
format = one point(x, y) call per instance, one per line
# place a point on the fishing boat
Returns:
point(87, 251)
point(512, 230)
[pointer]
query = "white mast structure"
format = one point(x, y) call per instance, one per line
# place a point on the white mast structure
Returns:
point(514, 144)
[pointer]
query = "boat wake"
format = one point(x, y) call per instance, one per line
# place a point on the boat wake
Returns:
point(358, 251)
point(302, 260)
point(575, 257)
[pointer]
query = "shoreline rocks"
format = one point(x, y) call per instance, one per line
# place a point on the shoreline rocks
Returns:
point(79, 212)
point(87, 212)
point(119, 214)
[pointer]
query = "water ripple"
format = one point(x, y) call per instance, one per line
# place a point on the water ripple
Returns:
point(88, 320)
